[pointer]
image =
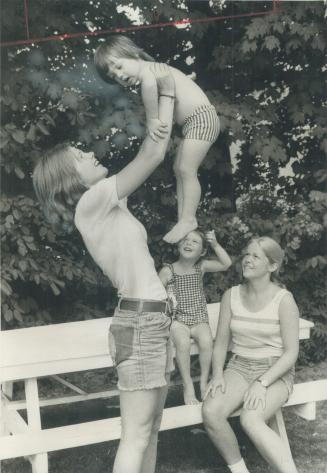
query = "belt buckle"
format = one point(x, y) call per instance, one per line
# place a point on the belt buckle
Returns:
point(169, 306)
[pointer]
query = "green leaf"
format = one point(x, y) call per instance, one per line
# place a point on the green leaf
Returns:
point(19, 173)
point(19, 136)
point(271, 42)
point(55, 289)
point(31, 134)
point(4, 142)
point(5, 287)
point(249, 46)
point(8, 315)
point(42, 128)
point(18, 315)
point(23, 265)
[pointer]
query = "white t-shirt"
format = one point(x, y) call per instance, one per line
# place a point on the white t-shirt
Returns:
point(117, 242)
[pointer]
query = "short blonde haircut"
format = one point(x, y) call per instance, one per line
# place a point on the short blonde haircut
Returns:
point(58, 186)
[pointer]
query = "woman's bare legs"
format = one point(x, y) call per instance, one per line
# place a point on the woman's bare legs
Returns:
point(192, 154)
point(181, 336)
point(216, 411)
point(201, 333)
point(269, 444)
point(139, 411)
point(150, 455)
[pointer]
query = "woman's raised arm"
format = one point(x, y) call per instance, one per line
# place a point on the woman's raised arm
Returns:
point(151, 154)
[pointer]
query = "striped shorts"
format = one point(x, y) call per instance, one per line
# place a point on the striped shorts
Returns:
point(203, 124)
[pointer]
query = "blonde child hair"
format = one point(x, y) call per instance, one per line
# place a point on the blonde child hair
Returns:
point(123, 47)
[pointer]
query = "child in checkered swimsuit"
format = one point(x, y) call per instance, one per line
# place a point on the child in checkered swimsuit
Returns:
point(183, 281)
point(123, 61)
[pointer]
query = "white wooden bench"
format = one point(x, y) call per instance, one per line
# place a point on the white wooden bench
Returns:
point(31, 353)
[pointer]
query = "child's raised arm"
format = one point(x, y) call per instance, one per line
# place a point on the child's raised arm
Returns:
point(149, 90)
point(222, 261)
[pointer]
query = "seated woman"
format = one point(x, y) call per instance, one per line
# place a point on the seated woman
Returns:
point(72, 187)
point(263, 321)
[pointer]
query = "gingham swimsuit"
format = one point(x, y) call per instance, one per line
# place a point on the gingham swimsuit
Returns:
point(191, 305)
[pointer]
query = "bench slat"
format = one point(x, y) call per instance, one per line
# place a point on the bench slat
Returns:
point(89, 433)
point(71, 347)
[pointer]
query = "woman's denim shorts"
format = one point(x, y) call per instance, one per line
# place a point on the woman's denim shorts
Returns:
point(140, 349)
point(252, 368)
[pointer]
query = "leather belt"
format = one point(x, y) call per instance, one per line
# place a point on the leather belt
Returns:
point(143, 305)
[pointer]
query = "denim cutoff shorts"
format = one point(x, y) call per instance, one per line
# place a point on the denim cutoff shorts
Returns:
point(141, 349)
point(252, 368)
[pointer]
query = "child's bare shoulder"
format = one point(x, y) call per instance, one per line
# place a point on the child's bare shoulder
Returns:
point(165, 273)
point(177, 73)
point(146, 72)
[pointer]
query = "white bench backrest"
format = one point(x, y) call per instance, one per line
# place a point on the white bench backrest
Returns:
point(69, 347)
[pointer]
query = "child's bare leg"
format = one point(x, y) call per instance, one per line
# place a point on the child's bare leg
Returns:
point(181, 336)
point(202, 335)
point(179, 182)
point(193, 153)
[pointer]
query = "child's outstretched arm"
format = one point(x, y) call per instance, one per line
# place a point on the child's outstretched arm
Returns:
point(222, 261)
point(149, 90)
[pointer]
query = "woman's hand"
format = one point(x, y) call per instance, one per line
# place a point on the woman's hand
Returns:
point(216, 382)
point(156, 129)
point(255, 395)
point(164, 78)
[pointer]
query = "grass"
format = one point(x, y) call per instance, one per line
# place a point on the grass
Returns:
point(186, 450)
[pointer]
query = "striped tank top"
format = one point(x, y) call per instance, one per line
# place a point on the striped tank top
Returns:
point(256, 334)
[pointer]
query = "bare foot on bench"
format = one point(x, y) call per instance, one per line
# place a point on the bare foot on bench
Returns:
point(189, 396)
point(180, 230)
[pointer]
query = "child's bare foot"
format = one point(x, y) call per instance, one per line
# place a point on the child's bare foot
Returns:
point(189, 395)
point(180, 230)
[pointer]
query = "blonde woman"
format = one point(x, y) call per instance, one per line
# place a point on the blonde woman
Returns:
point(73, 188)
point(262, 320)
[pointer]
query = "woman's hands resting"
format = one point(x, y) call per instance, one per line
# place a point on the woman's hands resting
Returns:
point(255, 395)
point(216, 382)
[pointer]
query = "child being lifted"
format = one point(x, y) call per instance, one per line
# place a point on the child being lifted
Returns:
point(121, 60)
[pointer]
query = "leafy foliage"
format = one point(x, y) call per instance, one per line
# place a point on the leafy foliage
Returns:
point(263, 74)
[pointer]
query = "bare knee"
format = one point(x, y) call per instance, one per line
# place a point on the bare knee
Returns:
point(183, 346)
point(205, 343)
point(214, 416)
point(156, 424)
point(183, 169)
point(139, 438)
point(182, 341)
point(250, 421)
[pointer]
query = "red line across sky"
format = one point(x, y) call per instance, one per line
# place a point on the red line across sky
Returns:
point(66, 36)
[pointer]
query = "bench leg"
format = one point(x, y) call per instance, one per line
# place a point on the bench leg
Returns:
point(8, 389)
point(306, 411)
point(39, 461)
point(278, 425)
point(6, 393)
